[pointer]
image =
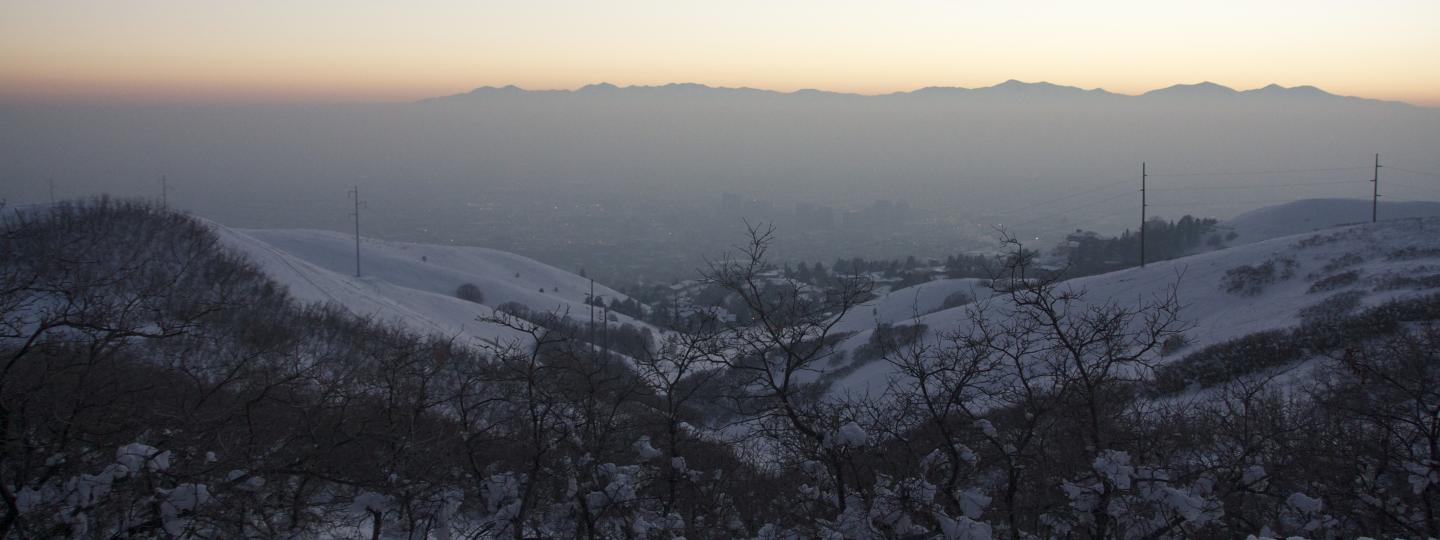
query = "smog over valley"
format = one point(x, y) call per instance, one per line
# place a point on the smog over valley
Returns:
point(764, 270)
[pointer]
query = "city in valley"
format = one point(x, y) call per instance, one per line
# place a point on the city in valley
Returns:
point(903, 270)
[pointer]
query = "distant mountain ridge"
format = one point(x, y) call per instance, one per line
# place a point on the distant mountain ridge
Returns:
point(1010, 89)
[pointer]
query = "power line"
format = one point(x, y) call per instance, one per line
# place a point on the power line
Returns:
point(1413, 186)
point(1257, 173)
point(1145, 174)
point(1068, 210)
point(1408, 199)
point(1422, 173)
point(1064, 197)
point(1260, 186)
point(1218, 203)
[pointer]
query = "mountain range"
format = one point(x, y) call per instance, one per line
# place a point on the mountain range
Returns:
point(1011, 89)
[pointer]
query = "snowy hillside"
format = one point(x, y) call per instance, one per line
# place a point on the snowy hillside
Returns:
point(1380, 262)
point(188, 379)
point(902, 305)
point(415, 284)
point(1314, 214)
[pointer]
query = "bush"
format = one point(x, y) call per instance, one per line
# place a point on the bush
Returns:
point(911, 279)
point(470, 292)
point(1250, 280)
point(1330, 283)
point(1327, 326)
point(1332, 309)
point(1344, 261)
point(887, 337)
point(1392, 282)
point(956, 299)
point(514, 309)
point(1412, 253)
point(1173, 344)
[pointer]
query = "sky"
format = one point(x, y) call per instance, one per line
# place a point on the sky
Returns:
point(213, 51)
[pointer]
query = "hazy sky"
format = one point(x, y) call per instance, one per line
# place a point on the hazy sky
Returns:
point(345, 50)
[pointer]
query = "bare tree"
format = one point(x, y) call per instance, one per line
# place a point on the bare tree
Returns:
point(791, 335)
point(1385, 404)
point(678, 371)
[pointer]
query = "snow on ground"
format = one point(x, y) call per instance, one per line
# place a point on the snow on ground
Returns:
point(414, 284)
point(1213, 314)
point(1315, 214)
point(902, 305)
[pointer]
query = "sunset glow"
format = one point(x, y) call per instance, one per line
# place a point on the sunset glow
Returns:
point(316, 51)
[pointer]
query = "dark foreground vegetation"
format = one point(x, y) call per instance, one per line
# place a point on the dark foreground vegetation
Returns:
point(155, 385)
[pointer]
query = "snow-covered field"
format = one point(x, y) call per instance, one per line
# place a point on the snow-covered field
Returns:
point(414, 284)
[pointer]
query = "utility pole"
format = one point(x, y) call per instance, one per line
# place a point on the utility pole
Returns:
point(1020, 257)
point(605, 333)
point(590, 302)
point(1143, 175)
point(164, 193)
point(1375, 194)
point(355, 195)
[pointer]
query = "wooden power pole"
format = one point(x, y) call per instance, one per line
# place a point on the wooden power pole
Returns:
point(590, 303)
point(355, 195)
point(1375, 193)
point(1143, 175)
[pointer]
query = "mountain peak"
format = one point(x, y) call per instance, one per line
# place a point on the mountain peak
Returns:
point(1019, 85)
point(1009, 88)
point(492, 89)
point(1204, 88)
point(598, 87)
point(1273, 89)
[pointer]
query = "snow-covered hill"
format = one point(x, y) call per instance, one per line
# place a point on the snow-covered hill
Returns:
point(415, 284)
point(901, 306)
point(1383, 261)
point(1315, 214)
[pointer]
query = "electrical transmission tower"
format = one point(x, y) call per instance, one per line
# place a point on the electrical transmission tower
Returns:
point(164, 192)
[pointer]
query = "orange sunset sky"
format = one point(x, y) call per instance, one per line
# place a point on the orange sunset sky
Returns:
point(343, 51)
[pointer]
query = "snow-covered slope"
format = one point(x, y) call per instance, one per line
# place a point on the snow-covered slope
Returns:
point(1315, 214)
point(414, 284)
point(1377, 253)
point(901, 306)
